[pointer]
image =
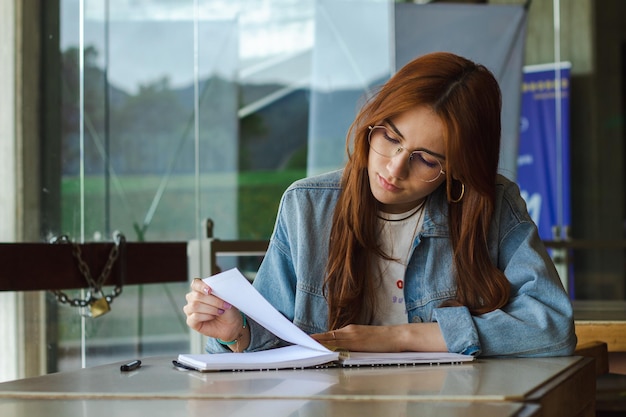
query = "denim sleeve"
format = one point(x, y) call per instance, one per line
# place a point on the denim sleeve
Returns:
point(537, 320)
point(459, 331)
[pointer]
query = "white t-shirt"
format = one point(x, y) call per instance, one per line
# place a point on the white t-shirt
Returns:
point(397, 233)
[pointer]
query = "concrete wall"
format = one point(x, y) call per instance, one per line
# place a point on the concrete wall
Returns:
point(22, 315)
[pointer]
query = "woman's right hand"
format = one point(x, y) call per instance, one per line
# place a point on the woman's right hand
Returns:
point(210, 315)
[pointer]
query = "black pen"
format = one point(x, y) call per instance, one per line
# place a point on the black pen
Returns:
point(130, 366)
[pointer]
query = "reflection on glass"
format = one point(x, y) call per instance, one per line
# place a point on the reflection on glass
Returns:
point(173, 112)
point(159, 117)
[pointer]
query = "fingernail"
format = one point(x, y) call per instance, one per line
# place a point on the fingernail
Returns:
point(220, 311)
point(226, 305)
point(206, 290)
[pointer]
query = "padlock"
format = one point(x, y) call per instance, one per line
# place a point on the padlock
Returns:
point(99, 306)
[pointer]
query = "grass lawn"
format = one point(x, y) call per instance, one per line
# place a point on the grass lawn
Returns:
point(246, 202)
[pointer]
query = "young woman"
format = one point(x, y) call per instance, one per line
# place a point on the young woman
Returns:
point(418, 244)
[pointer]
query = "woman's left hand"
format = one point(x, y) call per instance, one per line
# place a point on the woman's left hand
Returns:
point(398, 338)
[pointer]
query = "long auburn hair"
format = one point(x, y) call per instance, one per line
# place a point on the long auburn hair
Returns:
point(467, 98)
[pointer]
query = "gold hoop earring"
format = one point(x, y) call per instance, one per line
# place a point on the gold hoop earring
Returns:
point(461, 196)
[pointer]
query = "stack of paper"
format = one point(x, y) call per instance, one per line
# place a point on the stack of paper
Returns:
point(234, 288)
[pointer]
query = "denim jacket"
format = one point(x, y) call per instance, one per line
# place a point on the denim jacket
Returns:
point(537, 321)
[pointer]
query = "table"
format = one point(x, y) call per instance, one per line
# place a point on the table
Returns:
point(259, 407)
point(562, 386)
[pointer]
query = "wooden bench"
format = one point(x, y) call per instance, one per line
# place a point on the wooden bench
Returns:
point(596, 339)
point(612, 332)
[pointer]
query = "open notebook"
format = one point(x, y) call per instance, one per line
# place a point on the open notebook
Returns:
point(233, 287)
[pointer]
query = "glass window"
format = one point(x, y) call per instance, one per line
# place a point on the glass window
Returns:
point(160, 114)
point(173, 112)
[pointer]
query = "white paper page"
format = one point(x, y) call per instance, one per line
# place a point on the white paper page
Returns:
point(284, 357)
point(232, 287)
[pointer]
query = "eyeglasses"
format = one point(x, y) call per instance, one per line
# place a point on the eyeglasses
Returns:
point(422, 164)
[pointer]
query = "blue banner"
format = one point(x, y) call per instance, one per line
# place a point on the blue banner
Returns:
point(543, 168)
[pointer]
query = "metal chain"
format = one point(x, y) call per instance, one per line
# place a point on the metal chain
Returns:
point(95, 286)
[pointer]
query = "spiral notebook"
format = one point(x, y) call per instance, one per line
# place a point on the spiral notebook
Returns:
point(305, 352)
